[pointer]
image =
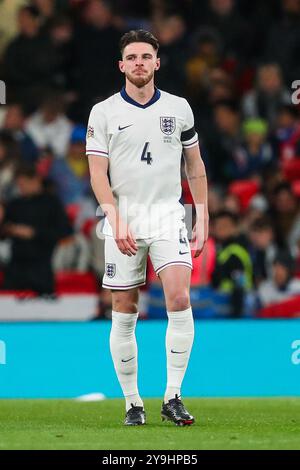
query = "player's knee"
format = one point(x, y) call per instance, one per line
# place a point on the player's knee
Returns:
point(179, 302)
point(125, 305)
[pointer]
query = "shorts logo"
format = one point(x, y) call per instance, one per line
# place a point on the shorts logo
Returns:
point(110, 269)
point(167, 124)
point(90, 132)
point(183, 241)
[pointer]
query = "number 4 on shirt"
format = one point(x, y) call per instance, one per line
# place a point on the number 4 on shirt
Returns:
point(146, 156)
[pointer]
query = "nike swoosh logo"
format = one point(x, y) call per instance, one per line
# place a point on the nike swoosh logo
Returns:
point(183, 252)
point(125, 127)
point(127, 360)
point(178, 352)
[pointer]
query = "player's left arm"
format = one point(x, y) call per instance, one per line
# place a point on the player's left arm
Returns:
point(196, 176)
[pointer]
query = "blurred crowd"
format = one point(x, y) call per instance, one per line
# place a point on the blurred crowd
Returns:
point(235, 61)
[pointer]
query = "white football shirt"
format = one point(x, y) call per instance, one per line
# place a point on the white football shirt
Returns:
point(144, 146)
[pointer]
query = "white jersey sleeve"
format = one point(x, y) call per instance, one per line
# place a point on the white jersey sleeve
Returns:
point(97, 135)
point(189, 137)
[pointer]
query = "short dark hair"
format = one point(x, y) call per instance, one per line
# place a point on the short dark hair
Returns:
point(284, 258)
point(224, 213)
point(282, 186)
point(231, 104)
point(26, 171)
point(32, 10)
point(138, 35)
point(260, 224)
point(59, 20)
point(290, 109)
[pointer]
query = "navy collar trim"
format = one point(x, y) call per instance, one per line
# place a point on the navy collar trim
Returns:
point(153, 100)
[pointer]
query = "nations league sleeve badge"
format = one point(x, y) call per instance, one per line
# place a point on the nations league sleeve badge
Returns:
point(90, 132)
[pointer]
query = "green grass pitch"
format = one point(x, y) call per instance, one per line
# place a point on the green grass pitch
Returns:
point(220, 424)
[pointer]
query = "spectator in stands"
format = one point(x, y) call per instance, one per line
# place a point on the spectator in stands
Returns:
point(285, 213)
point(205, 58)
point(220, 86)
point(231, 203)
point(72, 254)
point(34, 222)
point(224, 18)
point(233, 270)
point(14, 122)
point(216, 88)
point(282, 285)
point(262, 249)
point(171, 33)
point(4, 245)
point(46, 10)
point(286, 135)
point(224, 142)
point(9, 159)
point(96, 41)
point(49, 127)
point(282, 44)
point(215, 200)
point(272, 179)
point(61, 36)
point(268, 96)
point(71, 175)
point(8, 26)
point(29, 61)
point(257, 209)
point(255, 155)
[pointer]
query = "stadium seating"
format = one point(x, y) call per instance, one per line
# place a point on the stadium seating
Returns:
point(244, 190)
point(291, 169)
point(286, 309)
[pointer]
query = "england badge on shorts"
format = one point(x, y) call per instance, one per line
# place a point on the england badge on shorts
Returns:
point(110, 269)
point(167, 124)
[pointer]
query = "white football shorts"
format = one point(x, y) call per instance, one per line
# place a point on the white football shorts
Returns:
point(125, 272)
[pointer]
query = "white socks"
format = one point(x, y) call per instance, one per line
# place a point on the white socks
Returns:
point(179, 341)
point(123, 349)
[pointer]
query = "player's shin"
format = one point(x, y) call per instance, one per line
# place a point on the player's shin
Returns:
point(179, 341)
point(124, 354)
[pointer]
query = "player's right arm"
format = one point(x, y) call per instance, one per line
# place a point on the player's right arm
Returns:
point(97, 149)
point(102, 190)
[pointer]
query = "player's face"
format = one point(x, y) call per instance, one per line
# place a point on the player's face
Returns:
point(139, 63)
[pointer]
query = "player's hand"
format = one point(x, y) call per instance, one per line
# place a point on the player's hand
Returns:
point(125, 239)
point(199, 235)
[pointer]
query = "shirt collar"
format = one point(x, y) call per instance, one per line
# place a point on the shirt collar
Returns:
point(130, 100)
